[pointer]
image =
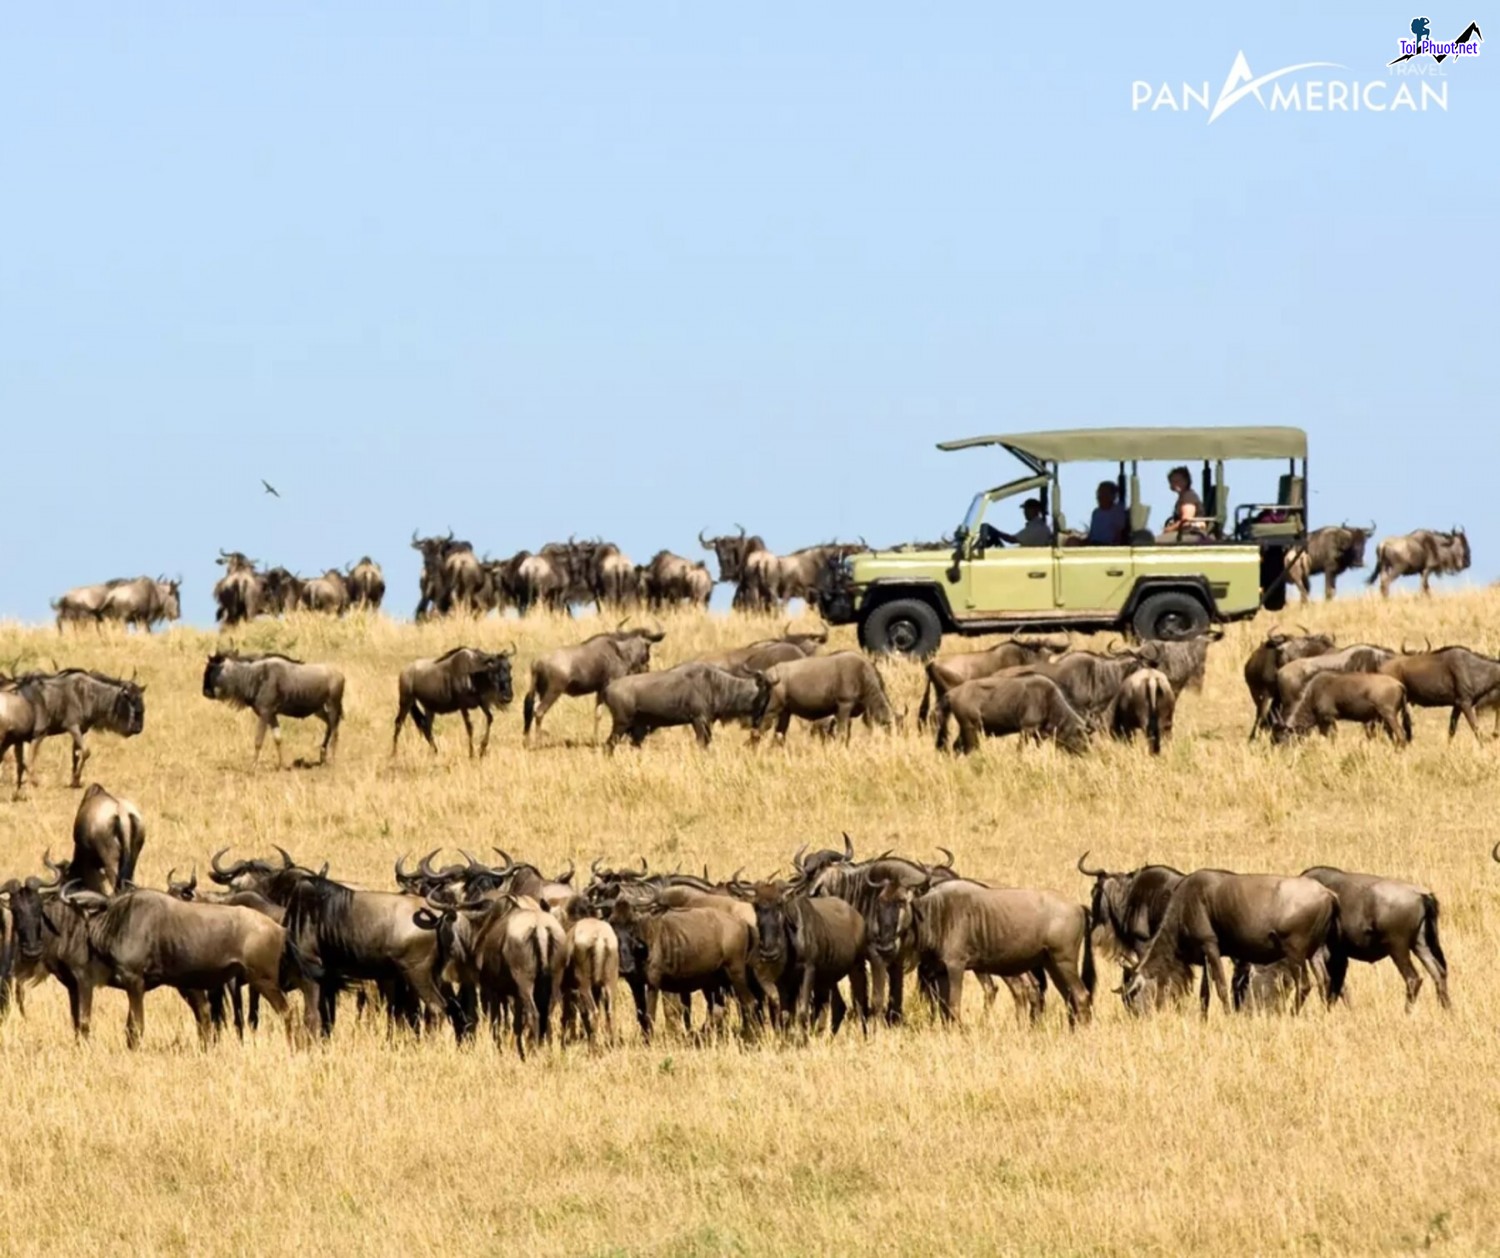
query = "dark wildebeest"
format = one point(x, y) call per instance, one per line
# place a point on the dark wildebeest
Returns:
point(461, 680)
point(273, 686)
point(1268, 659)
point(1146, 705)
point(22, 947)
point(451, 575)
point(1367, 698)
point(1006, 932)
point(759, 656)
point(953, 670)
point(745, 561)
point(237, 594)
point(1425, 553)
point(586, 669)
point(1257, 919)
point(1127, 908)
point(843, 685)
point(328, 594)
point(141, 939)
point(804, 946)
point(280, 591)
point(612, 579)
point(366, 584)
point(1292, 679)
point(797, 575)
point(108, 834)
point(1031, 705)
point(1185, 662)
point(1452, 677)
point(665, 581)
point(1333, 551)
point(1380, 918)
point(691, 694)
point(1090, 681)
point(73, 702)
point(683, 950)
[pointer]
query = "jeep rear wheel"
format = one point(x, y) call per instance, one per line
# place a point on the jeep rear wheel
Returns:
point(904, 626)
point(1169, 617)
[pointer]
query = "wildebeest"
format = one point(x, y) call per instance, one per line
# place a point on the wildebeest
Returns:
point(137, 601)
point(1090, 681)
point(746, 562)
point(366, 584)
point(17, 719)
point(1258, 919)
point(593, 971)
point(280, 591)
point(451, 576)
point(1452, 677)
point(1366, 698)
point(328, 593)
point(761, 655)
point(463, 679)
point(797, 575)
point(1272, 655)
point(612, 579)
point(1292, 679)
point(843, 685)
point(273, 686)
point(237, 594)
point(1127, 908)
point(1332, 550)
point(73, 702)
point(586, 669)
point(83, 603)
point(1184, 662)
point(1145, 705)
point(1380, 918)
point(693, 694)
point(1007, 932)
point(1032, 706)
point(670, 580)
point(108, 834)
point(1425, 553)
point(953, 670)
point(22, 935)
point(804, 946)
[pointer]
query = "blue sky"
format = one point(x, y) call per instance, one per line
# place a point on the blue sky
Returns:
point(636, 270)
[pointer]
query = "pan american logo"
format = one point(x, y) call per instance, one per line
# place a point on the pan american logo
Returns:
point(1421, 44)
point(1294, 89)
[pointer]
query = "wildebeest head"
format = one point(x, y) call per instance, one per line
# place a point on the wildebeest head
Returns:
point(810, 866)
point(23, 899)
point(235, 561)
point(775, 927)
point(179, 890)
point(127, 712)
point(891, 916)
point(170, 595)
point(730, 551)
point(624, 918)
point(248, 875)
point(213, 671)
point(1457, 552)
point(493, 675)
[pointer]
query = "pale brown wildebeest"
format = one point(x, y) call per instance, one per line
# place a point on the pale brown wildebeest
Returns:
point(461, 680)
point(137, 601)
point(1258, 919)
point(108, 834)
point(328, 594)
point(593, 971)
point(1090, 681)
point(366, 583)
point(1366, 698)
point(1292, 679)
point(73, 702)
point(953, 670)
point(843, 685)
point(691, 694)
point(1031, 705)
point(1145, 705)
point(273, 686)
point(1272, 655)
point(83, 604)
point(1333, 551)
point(745, 561)
point(1452, 677)
point(759, 656)
point(586, 669)
point(1425, 553)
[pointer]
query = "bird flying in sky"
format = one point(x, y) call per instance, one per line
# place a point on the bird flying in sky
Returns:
point(270, 488)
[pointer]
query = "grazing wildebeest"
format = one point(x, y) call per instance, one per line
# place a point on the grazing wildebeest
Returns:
point(1292, 679)
point(586, 669)
point(1380, 918)
point(1258, 919)
point(1333, 551)
point(683, 950)
point(953, 670)
point(691, 694)
point(1425, 553)
point(73, 702)
point(1031, 705)
point(1007, 932)
point(237, 594)
point(1452, 677)
point(328, 594)
point(843, 685)
point(142, 939)
point(1146, 705)
point(804, 946)
point(108, 834)
point(273, 686)
point(1127, 908)
point(1366, 698)
point(461, 680)
point(366, 583)
point(1272, 655)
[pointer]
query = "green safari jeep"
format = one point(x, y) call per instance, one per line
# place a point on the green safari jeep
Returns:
point(1226, 566)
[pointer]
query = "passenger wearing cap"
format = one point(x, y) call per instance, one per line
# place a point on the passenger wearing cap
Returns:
point(1035, 531)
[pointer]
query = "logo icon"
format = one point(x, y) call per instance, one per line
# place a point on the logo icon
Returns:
point(1466, 45)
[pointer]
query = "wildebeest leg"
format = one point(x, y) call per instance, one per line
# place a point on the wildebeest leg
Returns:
point(642, 1005)
point(261, 725)
point(839, 1010)
point(135, 1019)
point(329, 729)
point(1435, 967)
point(1304, 984)
point(991, 991)
point(702, 732)
point(81, 754)
point(79, 1010)
point(401, 714)
point(652, 998)
point(1213, 965)
point(1426, 582)
point(279, 1003)
point(1064, 972)
point(468, 729)
point(844, 725)
point(276, 738)
point(859, 993)
point(783, 723)
point(203, 1014)
point(1465, 706)
point(805, 998)
point(1401, 956)
point(489, 721)
point(951, 993)
point(897, 976)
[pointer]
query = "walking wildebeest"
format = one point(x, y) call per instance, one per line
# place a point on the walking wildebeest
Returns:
point(73, 702)
point(586, 669)
point(1367, 698)
point(463, 679)
point(1144, 705)
point(137, 601)
point(1292, 679)
point(953, 670)
point(1425, 553)
point(843, 685)
point(1272, 655)
point(1089, 681)
point(108, 834)
point(451, 575)
point(1452, 677)
point(1259, 919)
point(273, 686)
point(1380, 918)
point(366, 584)
point(691, 694)
point(1332, 550)
point(84, 603)
point(1031, 705)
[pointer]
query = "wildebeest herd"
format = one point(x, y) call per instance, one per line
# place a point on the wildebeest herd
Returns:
point(536, 956)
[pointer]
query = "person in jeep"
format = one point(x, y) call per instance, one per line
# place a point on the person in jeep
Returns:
point(1187, 517)
point(1034, 532)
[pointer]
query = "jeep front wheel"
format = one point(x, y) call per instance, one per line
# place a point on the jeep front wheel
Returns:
point(1169, 617)
point(904, 626)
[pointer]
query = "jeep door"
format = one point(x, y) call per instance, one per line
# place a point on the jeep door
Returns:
point(1008, 579)
point(1094, 578)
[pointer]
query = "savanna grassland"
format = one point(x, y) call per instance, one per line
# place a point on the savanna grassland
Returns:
point(1365, 1130)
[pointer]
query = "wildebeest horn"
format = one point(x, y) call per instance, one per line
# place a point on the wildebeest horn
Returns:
point(643, 865)
point(424, 866)
point(1090, 873)
point(509, 651)
point(741, 528)
point(657, 634)
point(1495, 854)
point(402, 875)
point(1372, 526)
point(701, 542)
point(594, 866)
point(286, 857)
point(1304, 630)
point(948, 863)
point(567, 877)
point(57, 871)
point(848, 847)
point(509, 863)
point(797, 858)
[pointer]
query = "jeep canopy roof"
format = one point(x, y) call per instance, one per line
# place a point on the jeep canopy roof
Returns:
point(1110, 445)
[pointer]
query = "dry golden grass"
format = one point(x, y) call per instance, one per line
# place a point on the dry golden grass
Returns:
point(1362, 1131)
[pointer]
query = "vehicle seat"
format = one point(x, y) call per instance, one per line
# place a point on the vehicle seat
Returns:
point(1219, 510)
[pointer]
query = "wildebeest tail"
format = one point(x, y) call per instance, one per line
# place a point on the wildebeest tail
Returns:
point(1430, 931)
point(422, 719)
point(941, 719)
point(1090, 972)
point(762, 702)
point(1153, 716)
point(1378, 566)
point(1405, 717)
point(926, 705)
point(528, 710)
point(296, 967)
